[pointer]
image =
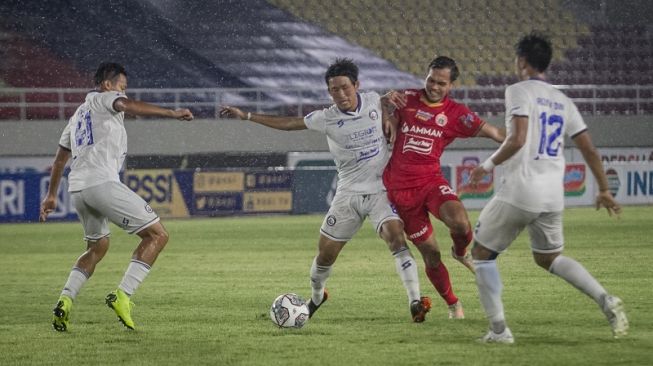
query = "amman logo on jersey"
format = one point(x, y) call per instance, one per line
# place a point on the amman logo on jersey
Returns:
point(441, 119)
point(421, 130)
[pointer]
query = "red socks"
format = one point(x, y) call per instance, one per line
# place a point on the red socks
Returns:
point(439, 277)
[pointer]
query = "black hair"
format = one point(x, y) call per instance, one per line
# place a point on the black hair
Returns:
point(444, 62)
point(342, 67)
point(536, 49)
point(108, 71)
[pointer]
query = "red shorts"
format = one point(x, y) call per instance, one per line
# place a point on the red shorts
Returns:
point(413, 206)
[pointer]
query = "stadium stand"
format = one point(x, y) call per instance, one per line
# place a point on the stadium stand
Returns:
point(478, 34)
point(273, 53)
point(180, 44)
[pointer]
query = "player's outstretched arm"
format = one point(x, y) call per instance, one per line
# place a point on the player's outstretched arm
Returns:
point(49, 203)
point(138, 108)
point(497, 134)
point(512, 143)
point(276, 122)
point(604, 198)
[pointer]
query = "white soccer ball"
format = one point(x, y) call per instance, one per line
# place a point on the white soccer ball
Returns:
point(289, 311)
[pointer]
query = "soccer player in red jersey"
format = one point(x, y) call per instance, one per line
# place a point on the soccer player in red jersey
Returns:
point(427, 120)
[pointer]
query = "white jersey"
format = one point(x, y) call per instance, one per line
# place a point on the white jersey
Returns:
point(96, 136)
point(356, 142)
point(533, 178)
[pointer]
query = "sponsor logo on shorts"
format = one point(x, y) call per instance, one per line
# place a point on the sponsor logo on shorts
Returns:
point(331, 220)
point(148, 209)
point(419, 233)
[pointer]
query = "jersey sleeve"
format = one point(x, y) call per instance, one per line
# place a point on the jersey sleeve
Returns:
point(575, 124)
point(517, 103)
point(316, 120)
point(467, 122)
point(64, 140)
point(106, 100)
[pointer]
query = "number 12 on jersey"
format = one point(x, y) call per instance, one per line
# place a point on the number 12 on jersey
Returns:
point(550, 139)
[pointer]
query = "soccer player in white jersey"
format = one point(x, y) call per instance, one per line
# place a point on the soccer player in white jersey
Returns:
point(96, 139)
point(355, 135)
point(538, 117)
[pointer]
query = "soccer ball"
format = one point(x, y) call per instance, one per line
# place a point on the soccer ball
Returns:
point(289, 311)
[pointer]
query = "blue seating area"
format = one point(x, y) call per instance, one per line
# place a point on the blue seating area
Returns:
point(192, 44)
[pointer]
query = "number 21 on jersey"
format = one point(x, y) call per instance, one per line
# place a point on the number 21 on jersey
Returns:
point(550, 131)
point(84, 129)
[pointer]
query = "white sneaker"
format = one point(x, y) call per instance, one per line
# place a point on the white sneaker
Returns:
point(456, 311)
point(504, 338)
point(613, 308)
point(466, 260)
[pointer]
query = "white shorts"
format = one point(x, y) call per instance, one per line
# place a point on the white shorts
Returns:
point(500, 223)
point(348, 211)
point(115, 202)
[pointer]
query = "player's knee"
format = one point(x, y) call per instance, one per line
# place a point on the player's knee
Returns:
point(482, 253)
point(459, 226)
point(544, 260)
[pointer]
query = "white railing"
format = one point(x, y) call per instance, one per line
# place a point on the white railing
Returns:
point(59, 103)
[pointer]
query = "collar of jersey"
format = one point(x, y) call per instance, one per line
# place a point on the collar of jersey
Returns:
point(358, 107)
point(424, 100)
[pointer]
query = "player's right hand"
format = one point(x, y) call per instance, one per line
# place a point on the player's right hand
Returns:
point(605, 199)
point(48, 205)
point(183, 114)
point(232, 112)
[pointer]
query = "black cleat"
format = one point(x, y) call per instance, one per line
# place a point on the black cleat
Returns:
point(312, 308)
point(419, 308)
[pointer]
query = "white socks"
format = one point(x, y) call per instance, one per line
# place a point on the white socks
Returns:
point(574, 273)
point(76, 279)
point(407, 270)
point(489, 290)
point(135, 274)
point(319, 276)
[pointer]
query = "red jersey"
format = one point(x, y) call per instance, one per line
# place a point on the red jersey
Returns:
point(424, 130)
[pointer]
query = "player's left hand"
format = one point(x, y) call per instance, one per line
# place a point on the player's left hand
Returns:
point(605, 199)
point(48, 205)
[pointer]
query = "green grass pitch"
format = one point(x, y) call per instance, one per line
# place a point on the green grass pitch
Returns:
point(207, 298)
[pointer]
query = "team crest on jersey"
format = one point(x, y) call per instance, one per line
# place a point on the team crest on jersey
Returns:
point(423, 116)
point(467, 120)
point(374, 114)
point(441, 119)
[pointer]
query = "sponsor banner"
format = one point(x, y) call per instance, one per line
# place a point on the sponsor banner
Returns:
point(269, 180)
point(574, 180)
point(160, 189)
point(21, 196)
point(218, 203)
point(483, 190)
point(631, 183)
point(280, 201)
point(206, 182)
